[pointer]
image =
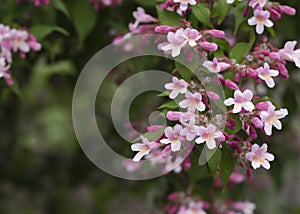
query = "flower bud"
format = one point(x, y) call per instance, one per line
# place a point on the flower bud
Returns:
point(216, 33)
point(173, 115)
point(231, 85)
point(263, 106)
point(209, 46)
point(257, 122)
point(287, 10)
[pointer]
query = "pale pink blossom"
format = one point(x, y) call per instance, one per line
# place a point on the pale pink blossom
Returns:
point(209, 135)
point(4, 71)
point(271, 118)
point(266, 74)
point(176, 41)
point(174, 165)
point(260, 19)
point(241, 100)
point(259, 156)
point(215, 66)
point(192, 36)
point(245, 206)
point(184, 3)
point(177, 86)
point(288, 53)
point(190, 131)
point(260, 3)
point(143, 148)
point(173, 137)
point(192, 102)
point(195, 207)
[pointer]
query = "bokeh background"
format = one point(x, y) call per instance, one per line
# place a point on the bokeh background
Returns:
point(42, 167)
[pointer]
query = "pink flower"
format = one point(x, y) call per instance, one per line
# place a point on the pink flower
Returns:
point(184, 3)
point(19, 40)
point(141, 17)
point(241, 100)
point(192, 36)
point(260, 3)
point(209, 46)
point(259, 156)
point(143, 148)
point(288, 53)
point(216, 33)
point(266, 74)
point(176, 41)
point(215, 66)
point(4, 71)
point(192, 102)
point(190, 131)
point(271, 118)
point(209, 135)
point(260, 19)
point(173, 137)
point(176, 87)
point(245, 206)
point(195, 207)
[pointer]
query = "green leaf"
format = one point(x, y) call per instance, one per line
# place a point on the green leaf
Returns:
point(60, 6)
point(223, 43)
point(153, 135)
point(148, 3)
point(184, 72)
point(202, 13)
point(42, 31)
point(238, 125)
point(221, 8)
point(227, 165)
point(240, 50)
point(84, 18)
point(171, 105)
point(214, 161)
point(168, 17)
point(239, 15)
point(164, 94)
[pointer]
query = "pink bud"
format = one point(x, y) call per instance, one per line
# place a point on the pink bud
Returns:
point(257, 122)
point(287, 10)
point(213, 96)
point(274, 56)
point(163, 29)
point(283, 71)
point(209, 46)
point(275, 14)
point(252, 132)
point(216, 33)
point(263, 106)
point(252, 73)
point(187, 164)
point(154, 128)
point(249, 173)
point(173, 115)
point(186, 116)
point(231, 85)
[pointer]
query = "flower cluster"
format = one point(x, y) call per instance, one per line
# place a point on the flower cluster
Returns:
point(13, 41)
point(182, 203)
point(179, 6)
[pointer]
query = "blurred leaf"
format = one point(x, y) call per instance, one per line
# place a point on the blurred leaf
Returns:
point(84, 18)
point(184, 72)
point(147, 3)
point(164, 94)
point(239, 15)
point(61, 6)
point(221, 9)
point(168, 17)
point(202, 13)
point(42, 31)
point(214, 161)
point(153, 135)
point(227, 165)
point(240, 50)
point(171, 105)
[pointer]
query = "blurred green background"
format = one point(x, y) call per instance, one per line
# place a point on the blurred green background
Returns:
point(43, 169)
